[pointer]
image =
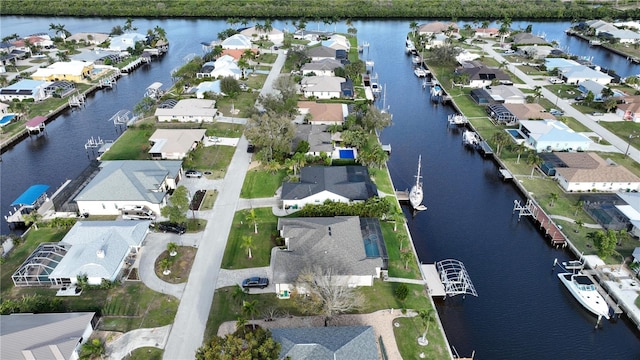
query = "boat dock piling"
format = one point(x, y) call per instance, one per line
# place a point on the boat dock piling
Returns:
point(550, 229)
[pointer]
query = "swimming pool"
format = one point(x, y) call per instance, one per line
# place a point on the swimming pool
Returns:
point(515, 133)
point(347, 154)
point(6, 119)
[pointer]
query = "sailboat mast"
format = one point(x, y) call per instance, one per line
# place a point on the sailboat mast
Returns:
point(418, 175)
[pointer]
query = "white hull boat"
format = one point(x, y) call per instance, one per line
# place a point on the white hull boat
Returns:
point(585, 291)
point(415, 195)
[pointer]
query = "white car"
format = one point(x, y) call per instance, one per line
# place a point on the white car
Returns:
point(555, 80)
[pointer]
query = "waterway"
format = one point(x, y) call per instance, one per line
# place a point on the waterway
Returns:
point(522, 310)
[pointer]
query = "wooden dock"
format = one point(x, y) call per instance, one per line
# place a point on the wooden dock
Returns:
point(506, 175)
point(432, 278)
point(551, 230)
point(402, 195)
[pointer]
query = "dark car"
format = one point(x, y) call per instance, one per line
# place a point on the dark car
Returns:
point(172, 227)
point(193, 174)
point(255, 282)
point(579, 98)
point(251, 148)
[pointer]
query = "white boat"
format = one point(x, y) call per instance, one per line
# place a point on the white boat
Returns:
point(470, 138)
point(585, 291)
point(415, 195)
point(420, 72)
point(573, 265)
point(416, 60)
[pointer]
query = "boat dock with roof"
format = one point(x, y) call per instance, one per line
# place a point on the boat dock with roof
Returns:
point(28, 201)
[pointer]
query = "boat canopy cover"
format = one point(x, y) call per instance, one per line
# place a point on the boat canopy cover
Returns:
point(30, 196)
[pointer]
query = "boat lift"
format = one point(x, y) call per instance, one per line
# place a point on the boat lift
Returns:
point(455, 278)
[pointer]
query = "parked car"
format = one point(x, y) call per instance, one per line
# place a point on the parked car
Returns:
point(193, 174)
point(555, 80)
point(251, 148)
point(579, 98)
point(596, 114)
point(556, 112)
point(172, 227)
point(255, 282)
point(137, 213)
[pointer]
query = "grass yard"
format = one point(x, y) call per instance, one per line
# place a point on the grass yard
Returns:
point(180, 265)
point(209, 200)
point(260, 183)
point(382, 180)
point(133, 144)
point(210, 158)
point(407, 334)
point(145, 353)
point(396, 265)
point(244, 101)
point(235, 257)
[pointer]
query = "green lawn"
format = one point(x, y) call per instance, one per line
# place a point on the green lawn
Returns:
point(145, 353)
point(235, 257)
point(407, 334)
point(261, 183)
point(396, 265)
point(382, 180)
point(133, 144)
point(210, 158)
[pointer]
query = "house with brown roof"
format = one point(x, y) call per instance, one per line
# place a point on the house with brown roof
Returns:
point(629, 110)
point(587, 171)
point(437, 27)
point(174, 144)
point(486, 33)
point(323, 113)
point(530, 111)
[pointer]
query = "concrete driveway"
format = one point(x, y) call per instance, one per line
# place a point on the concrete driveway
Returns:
point(235, 277)
point(134, 339)
point(155, 244)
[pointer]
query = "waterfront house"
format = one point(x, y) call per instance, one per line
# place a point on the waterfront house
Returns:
point(505, 94)
point(623, 36)
point(211, 87)
point(59, 89)
point(237, 41)
point(552, 135)
point(600, 26)
point(349, 248)
point(524, 38)
point(326, 343)
point(224, 66)
point(311, 35)
point(631, 211)
point(481, 76)
point(577, 74)
point(437, 27)
point(337, 42)
point(486, 33)
point(174, 144)
point(124, 183)
point(587, 171)
point(318, 53)
point(90, 38)
point(45, 335)
point(324, 67)
point(529, 111)
point(322, 87)
point(323, 113)
point(73, 70)
point(318, 184)
point(274, 35)
point(318, 138)
point(25, 89)
point(556, 63)
point(125, 41)
point(188, 110)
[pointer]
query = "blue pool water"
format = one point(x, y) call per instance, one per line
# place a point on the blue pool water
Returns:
point(371, 246)
point(6, 119)
point(515, 133)
point(346, 154)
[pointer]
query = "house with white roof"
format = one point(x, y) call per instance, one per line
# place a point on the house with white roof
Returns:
point(45, 335)
point(125, 41)
point(322, 87)
point(99, 250)
point(506, 94)
point(237, 41)
point(337, 42)
point(25, 89)
point(535, 51)
point(75, 71)
point(587, 171)
point(351, 248)
point(578, 74)
point(600, 26)
point(189, 110)
point(226, 66)
point(124, 183)
point(631, 210)
point(323, 67)
point(174, 144)
point(552, 135)
point(624, 36)
point(276, 36)
point(204, 87)
point(556, 63)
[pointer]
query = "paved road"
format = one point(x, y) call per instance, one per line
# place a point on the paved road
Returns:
point(565, 105)
point(191, 319)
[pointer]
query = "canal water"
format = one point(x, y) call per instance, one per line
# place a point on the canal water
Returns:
point(522, 310)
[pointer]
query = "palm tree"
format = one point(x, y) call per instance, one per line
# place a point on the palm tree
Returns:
point(239, 294)
point(501, 139)
point(401, 239)
point(241, 323)
point(93, 349)
point(534, 160)
point(243, 65)
point(553, 197)
point(537, 92)
point(414, 27)
point(33, 218)
point(252, 219)
point(249, 308)
point(172, 248)
point(396, 216)
point(406, 257)
point(247, 243)
point(579, 225)
point(519, 148)
point(165, 264)
point(426, 316)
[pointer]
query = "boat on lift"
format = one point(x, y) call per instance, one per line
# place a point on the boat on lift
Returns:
point(584, 290)
point(415, 195)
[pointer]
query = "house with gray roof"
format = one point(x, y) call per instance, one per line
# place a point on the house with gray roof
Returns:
point(318, 138)
point(327, 343)
point(351, 248)
point(318, 53)
point(45, 336)
point(123, 183)
point(189, 110)
point(99, 250)
point(322, 87)
point(324, 67)
point(631, 210)
point(524, 38)
point(174, 144)
point(482, 76)
point(552, 135)
point(336, 183)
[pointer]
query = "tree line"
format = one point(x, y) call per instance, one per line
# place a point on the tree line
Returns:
point(330, 9)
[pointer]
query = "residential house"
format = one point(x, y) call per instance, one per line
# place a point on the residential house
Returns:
point(174, 144)
point(481, 96)
point(512, 113)
point(274, 35)
point(324, 67)
point(237, 41)
point(631, 210)
point(323, 113)
point(506, 94)
point(318, 138)
point(437, 27)
point(558, 63)
point(483, 76)
point(125, 41)
point(129, 183)
point(318, 53)
point(629, 109)
point(337, 42)
point(336, 183)
point(224, 66)
point(587, 171)
point(322, 87)
point(624, 36)
point(437, 40)
point(91, 38)
point(99, 250)
point(59, 89)
point(591, 86)
point(486, 33)
point(524, 38)
point(600, 26)
point(212, 87)
point(189, 110)
point(552, 135)
point(25, 89)
point(578, 74)
point(311, 35)
point(327, 343)
point(348, 248)
point(466, 56)
point(75, 71)
point(536, 52)
point(45, 335)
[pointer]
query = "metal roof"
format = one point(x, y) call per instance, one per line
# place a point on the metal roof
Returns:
point(31, 195)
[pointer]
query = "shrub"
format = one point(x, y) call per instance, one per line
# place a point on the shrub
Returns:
point(401, 292)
